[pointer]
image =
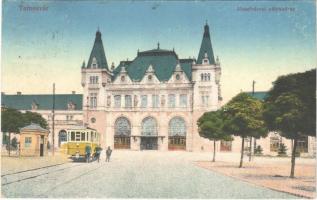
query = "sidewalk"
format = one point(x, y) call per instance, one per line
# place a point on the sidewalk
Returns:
point(16, 164)
point(273, 174)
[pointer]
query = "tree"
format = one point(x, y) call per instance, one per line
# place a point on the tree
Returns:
point(11, 122)
point(31, 117)
point(243, 117)
point(290, 108)
point(282, 150)
point(210, 127)
point(258, 150)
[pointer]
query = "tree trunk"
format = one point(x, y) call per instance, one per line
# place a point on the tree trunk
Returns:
point(293, 158)
point(250, 149)
point(9, 143)
point(214, 159)
point(242, 150)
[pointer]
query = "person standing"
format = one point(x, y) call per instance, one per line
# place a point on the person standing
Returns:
point(108, 154)
point(88, 152)
point(98, 150)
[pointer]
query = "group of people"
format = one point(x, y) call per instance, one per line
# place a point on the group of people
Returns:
point(97, 153)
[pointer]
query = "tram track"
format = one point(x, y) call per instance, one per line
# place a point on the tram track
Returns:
point(7, 176)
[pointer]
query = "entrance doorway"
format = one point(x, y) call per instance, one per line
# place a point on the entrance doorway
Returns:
point(149, 143)
point(42, 146)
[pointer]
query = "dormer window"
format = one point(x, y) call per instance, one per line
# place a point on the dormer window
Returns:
point(178, 77)
point(149, 77)
point(94, 63)
point(122, 78)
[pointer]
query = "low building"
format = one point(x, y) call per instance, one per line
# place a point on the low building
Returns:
point(33, 140)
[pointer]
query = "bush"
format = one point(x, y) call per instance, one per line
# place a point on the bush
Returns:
point(14, 143)
point(282, 150)
point(258, 150)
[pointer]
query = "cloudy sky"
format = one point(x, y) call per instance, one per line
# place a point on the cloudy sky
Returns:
point(254, 40)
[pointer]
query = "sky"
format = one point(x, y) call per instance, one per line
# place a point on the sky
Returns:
point(253, 41)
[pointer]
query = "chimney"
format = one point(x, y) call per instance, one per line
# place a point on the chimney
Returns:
point(73, 92)
point(19, 93)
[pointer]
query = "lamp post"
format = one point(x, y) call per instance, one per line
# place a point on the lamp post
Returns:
point(53, 118)
point(253, 83)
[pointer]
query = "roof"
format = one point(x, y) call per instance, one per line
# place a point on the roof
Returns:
point(34, 127)
point(43, 101)
point(206, 47)
point(163, 62)
point(98, 52)
point(259, 95)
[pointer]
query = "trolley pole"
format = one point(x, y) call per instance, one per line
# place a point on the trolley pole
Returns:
point(253, 83)
point(53, 118)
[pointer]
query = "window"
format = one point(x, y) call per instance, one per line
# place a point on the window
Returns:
point(122, 78)
point(171, 100)
point(274, 143)
point(72, 136)
point(122, 127)
point(28, 141)
point(128, 101)
point(202, 77)
point(225, 145)
point(178, 77)
point(149, 127)
point(143, 101)
point(183, 100)
point(155, 101)
point(205, 100)
point(302, 145)
point(150, 77)
point(208, 76)
point(93, 100)
point(177, 127)
point(77, 136)
point(93, 79)
point(117, 101)
point(83, 136)
point(93, 120)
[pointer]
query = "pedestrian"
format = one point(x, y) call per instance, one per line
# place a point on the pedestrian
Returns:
point(88, 152)
point(98, 150)
point(108, 154)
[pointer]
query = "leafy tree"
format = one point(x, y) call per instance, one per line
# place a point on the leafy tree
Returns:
point(11, 122)
point(14, 143)
point(243, 117)
point(210, 127)
point(282, 150)
point(290, 108)
point(31, 117)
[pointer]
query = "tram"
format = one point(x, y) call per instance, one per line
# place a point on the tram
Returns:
point(77, 140)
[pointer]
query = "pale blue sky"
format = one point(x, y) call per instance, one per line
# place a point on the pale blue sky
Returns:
point(42, 47)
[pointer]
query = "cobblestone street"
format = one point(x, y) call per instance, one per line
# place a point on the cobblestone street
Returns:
point(145, 174)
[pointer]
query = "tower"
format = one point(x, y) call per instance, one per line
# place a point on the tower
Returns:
point(206, 74)
point(95, 77)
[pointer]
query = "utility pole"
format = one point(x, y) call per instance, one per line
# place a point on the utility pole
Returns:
point(53, 118)
point(253, 83)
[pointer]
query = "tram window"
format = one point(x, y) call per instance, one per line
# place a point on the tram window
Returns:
point(77, 136)
point(83, 136)
point(72, 136)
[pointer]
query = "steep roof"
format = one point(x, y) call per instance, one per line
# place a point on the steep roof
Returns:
point(258, 95)
point(43, 101)
point(206, 47)
point(98, 52)
point(163, 62)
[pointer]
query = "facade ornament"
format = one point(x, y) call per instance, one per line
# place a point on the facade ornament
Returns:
point(34, 105)
point(136, 101)
point(71, 106)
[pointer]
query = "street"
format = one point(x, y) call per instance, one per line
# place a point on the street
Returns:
point(132, 174)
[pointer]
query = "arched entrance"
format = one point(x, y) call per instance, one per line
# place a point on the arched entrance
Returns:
point(177, 134)
point(149, 134)
point(62, 137)
point(122, 133)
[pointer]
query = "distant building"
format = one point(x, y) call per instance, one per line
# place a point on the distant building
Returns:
point(68, 110)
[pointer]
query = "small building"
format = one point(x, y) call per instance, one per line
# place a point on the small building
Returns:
point(33, 140)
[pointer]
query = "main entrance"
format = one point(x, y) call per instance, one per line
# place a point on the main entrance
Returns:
point(149, 134)
point(148, 143)
point(122, 133)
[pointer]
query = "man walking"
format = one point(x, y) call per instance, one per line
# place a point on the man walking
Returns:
point(88, 152)
point(108, 154)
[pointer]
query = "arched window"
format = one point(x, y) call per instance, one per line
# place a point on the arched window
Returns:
point(149, 127)
point(62, 137)
point(122, 133)
point(122, 127)
point(202, 77)
point(177, 127)
point(208, 76)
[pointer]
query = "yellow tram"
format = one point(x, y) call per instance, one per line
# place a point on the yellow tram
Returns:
point(77, 140)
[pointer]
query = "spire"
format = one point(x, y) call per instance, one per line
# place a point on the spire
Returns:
point(206, 47)
point(98, 53)
point(83, 66)
point(158, 45)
